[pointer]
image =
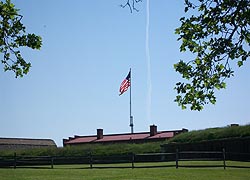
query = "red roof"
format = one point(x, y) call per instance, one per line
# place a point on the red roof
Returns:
point(120, 137)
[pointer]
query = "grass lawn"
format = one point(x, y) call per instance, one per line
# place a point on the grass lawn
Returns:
point(126, 174)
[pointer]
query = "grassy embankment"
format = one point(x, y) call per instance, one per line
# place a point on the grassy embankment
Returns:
point(125, 148)
point(212, 134)
point(95, 149)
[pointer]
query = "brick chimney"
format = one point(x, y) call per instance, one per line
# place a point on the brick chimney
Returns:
point(153, 130)
point(64, 142)
point(234, 125)
point(99, 133)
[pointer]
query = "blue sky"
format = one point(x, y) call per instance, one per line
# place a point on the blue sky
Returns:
point(88, 48)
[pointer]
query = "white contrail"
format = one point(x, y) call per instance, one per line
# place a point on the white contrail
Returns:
point(149, 94)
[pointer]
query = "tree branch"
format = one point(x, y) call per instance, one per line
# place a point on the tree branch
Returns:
point(131, 5)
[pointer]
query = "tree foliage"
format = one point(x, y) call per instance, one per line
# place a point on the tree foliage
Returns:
point(216, 32)
point(12, 38)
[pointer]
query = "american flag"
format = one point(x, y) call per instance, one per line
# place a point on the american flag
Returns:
point(125, 84)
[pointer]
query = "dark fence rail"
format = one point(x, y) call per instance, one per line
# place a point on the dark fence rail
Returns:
point(130, 160)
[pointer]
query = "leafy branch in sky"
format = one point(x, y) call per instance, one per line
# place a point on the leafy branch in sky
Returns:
point(217, 32)
point(12, 37)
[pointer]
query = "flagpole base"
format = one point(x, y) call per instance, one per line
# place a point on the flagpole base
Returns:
point(131, 124)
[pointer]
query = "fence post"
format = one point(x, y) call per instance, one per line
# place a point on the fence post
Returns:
point(224, 158)
point(90, 160)
point(176, 158)
point(15, 160)
point(52, 162)
point(133, 160)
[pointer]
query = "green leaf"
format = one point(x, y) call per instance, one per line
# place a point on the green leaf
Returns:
point(240, 63)
point(223, 85)
point(183, 107)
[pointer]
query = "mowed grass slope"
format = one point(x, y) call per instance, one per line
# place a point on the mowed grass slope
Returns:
point(125, 174)
point(212, 134)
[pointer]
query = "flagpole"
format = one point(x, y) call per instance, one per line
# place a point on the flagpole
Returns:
point(130, 105)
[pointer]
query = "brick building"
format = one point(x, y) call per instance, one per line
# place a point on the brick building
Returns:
point(142, 137)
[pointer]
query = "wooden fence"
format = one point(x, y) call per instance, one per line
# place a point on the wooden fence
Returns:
point(176, 159)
